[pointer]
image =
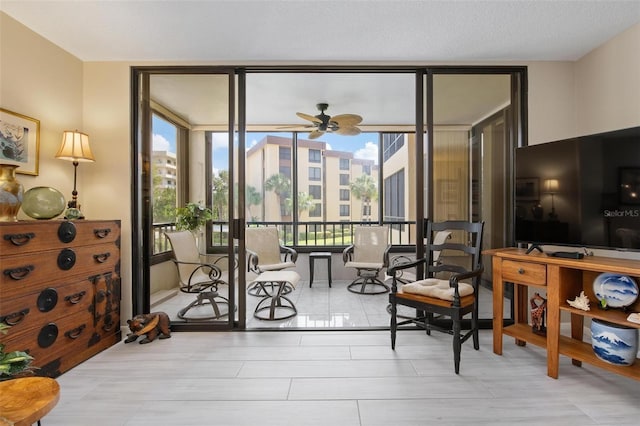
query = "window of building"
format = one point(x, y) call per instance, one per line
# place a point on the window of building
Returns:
point(344, 164)
point(394, 197)
point(285, 170)
point(391, 143)
point(366, 169)
point(315, 156)
point(344, 179)
point(284, 153)
point(316, 211)
point(315, 191)
point(344, 210)
point(315, 173)
point(344, 195)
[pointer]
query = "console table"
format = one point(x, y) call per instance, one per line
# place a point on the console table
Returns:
point(563, 279)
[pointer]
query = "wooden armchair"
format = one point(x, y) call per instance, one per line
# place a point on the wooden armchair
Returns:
point(443, 296)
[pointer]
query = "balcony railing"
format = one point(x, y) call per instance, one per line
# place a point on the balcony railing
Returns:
point(309, 235)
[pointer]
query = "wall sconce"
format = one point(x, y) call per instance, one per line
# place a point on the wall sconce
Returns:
point(74, 147)
point(552, 186)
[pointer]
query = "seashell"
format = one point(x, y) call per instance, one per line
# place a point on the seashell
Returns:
point(580, 302)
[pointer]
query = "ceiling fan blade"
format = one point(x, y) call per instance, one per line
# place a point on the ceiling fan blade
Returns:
point(348, 131)
point(308, 117)
point(297, 126)
point(346, 119)
point(316, 134)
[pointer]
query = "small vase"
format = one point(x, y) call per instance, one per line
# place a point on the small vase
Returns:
point(613, 343)
point(11, 192)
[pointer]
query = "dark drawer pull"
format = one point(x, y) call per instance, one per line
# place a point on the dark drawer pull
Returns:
point(66, 259)
point(74, 299)
point(76, 332)
point(48, 335)
point(20, 239)
point(102, 233)
point(67, 232)
point(102, 257)
point(19, 273)
point(520, 271)
point(15, 317)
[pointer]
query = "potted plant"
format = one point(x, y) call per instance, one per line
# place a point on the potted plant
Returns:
point(192, 216)
point(12, 363)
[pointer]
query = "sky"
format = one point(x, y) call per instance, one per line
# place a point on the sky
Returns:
point(364, 145)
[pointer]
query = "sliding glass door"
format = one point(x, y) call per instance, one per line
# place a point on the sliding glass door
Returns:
point(250, 144)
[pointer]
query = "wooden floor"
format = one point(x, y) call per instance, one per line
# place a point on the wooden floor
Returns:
point(336, 378)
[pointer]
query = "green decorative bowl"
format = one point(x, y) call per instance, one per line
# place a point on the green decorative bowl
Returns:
point(43, 202)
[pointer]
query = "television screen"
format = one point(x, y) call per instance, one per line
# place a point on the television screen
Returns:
point(582, 192)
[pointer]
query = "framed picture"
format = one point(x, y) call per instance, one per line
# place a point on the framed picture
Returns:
point(527, 189)
point(629, 185)
point(19, 141)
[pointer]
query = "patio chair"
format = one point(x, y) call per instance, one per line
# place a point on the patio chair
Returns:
point(449, 297)
point(197, 277)
point(368, 254)
point(265, 253)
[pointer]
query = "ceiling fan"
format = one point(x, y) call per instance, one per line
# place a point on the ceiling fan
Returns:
point(342, 124)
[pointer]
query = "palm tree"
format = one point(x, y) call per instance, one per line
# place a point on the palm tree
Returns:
point(253, 198)
point(364, 188)
point(220, 184)
point(305, 202)
point(281, 185)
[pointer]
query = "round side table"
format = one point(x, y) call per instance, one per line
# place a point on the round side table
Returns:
point(26, 400)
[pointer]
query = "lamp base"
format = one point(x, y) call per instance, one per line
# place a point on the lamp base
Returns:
point(73, 213)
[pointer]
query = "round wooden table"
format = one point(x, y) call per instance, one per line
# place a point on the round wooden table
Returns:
point(26, 400)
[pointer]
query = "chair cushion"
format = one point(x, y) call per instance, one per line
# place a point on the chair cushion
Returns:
point(433, 287)
point(276, 266)
point(364, 265)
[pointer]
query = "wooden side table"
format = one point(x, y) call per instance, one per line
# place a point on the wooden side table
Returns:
point(26, 400)
point(312, 259)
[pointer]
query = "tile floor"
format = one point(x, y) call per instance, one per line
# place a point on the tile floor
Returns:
point(319, 307)
point(336, 378)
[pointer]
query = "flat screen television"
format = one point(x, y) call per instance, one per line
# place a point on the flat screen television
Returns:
point(580, 192)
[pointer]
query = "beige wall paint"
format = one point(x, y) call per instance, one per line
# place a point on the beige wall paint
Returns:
point(42, 81)
point(63, 93)
point(607, 82)
point(107, 194)
point(551, 101)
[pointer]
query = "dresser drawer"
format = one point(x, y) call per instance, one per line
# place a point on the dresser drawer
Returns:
point(44, 343)
point(33, 272)
point(17, 238)
point(524, 272)
point(37, 309)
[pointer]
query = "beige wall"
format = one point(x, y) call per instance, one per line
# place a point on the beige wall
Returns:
point(599, 92)
point(41, 81)
point(607, 84)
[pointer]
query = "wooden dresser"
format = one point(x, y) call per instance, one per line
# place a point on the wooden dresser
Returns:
point(561, 279)
point(60, 290)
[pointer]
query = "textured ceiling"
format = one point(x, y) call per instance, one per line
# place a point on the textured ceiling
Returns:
point(320, 32)
point(325, 30)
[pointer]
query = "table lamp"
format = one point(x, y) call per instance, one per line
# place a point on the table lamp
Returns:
point(552, 186)
point(74, 147)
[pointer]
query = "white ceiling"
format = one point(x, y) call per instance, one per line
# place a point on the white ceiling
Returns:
point(245, 32)
point(325, 30)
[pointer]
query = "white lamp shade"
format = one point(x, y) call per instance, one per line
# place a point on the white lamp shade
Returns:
point(551, 185)
point(75, 147)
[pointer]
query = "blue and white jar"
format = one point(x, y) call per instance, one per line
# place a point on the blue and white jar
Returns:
point(613, 343)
